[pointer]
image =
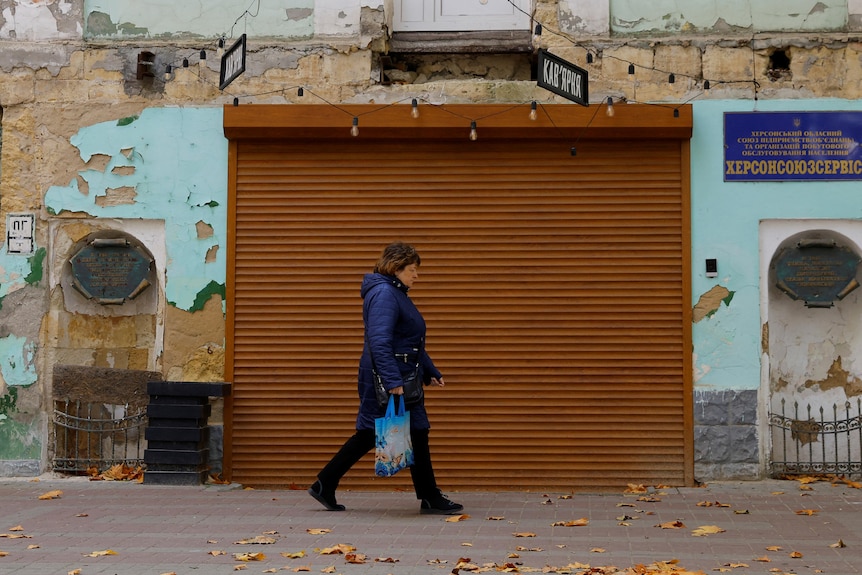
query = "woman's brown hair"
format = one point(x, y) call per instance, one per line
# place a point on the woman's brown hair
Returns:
point(395, 257)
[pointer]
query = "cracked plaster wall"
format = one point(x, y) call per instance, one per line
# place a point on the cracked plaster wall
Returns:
point(729, 16)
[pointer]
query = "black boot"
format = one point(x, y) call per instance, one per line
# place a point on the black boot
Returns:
point(440, 505)
point(325, 498)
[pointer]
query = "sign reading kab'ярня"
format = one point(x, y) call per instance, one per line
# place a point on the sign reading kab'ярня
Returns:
point(792, 146)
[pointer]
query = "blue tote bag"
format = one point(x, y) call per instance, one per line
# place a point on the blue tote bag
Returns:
point(393, 446)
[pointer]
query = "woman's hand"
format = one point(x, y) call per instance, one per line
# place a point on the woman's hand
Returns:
point(397, 390)
point(437, 382)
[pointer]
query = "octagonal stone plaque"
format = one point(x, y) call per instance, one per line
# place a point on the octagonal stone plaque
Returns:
point(110, 271)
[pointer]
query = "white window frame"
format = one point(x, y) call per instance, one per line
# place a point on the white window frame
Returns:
point(460, 15)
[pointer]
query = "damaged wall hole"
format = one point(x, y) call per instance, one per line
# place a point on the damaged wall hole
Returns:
point(779, 65)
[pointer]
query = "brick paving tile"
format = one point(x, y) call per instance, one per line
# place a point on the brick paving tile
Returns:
point(182, 530)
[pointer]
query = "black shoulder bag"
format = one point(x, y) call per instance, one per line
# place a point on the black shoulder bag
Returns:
point(413, 386)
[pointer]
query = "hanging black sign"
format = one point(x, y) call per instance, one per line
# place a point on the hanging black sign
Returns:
point(563, 78)
point(232, 63)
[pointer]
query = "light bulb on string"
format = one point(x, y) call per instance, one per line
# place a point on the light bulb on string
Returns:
point(354, 129)
point(706, 84)
point(676, 112)
point(537, 36)
point(414, 109)
point(185, 62)
point(474, 135)
point(671, 79)
point(589, 57)
point(300, 92)
point(631, 69)
point(203, 59)
point(236, 102)
point(610, 111)
point(533, 113)
point(220, 50)
point(168, 73)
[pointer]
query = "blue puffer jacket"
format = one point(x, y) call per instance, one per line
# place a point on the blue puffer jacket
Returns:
point(393, 325)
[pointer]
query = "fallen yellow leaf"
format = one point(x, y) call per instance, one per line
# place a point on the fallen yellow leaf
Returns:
point(774, 548)
point(240, 567)
point(4, 553)
point(385, 560)
point(524, 534)
point(337, 549)
point(466, 544)
point(838, 544)
point(796, 555)
point(294, 554)
point(576, 523)
point(763, 559)
point(300, 569)
point(249, 556)
point(32, 547)
point(707, 530)
point(806, 512)
point(636, 488)
point(496, 518)
point(672, 525)
point(169, 573)
point(457, 518)
point(258, 540)
point(51, 495)
point(273, 570)
point(330, 569)
point(16, 528)
point(217, 553)
point(74, 572)
point(100, 553)
point(355, 558)
point(318, 531)
point(597, 550)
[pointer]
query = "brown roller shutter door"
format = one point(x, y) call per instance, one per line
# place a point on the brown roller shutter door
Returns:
point(554, 287)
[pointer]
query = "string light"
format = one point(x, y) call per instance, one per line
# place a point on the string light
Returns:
point(631, 69)
point(537, 36)
point(300, 92)
point(185, 62)
point(220, 50)
point(236, 101)
point(414, 109)
point(533, 113)
point(676, 112)
point(474, 135)
point(589, 57)
point(706, 84)
point(203, 59)
point(671, 79)
point(168, 73)
point(354, 129)
point(610, 111)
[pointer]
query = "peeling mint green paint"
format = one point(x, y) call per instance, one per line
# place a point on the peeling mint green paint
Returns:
point(14, 271)
point(743, 16)
point(17, 357)
point(728, 299)
point(126, 121)
point(205, 294)
point(725, 224)
point(36, 262)
point(210, 19)
point(17, 440)
point(180, 175)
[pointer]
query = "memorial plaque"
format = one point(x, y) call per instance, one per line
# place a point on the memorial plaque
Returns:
point(110, 271)
point(817, 272)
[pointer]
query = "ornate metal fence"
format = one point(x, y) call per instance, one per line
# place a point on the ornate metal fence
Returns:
point(99, 435)
point(817, 440)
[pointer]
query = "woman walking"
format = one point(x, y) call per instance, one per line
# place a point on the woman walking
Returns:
point(394, 342)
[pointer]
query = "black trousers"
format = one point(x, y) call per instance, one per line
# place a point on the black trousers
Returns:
point(362, 442)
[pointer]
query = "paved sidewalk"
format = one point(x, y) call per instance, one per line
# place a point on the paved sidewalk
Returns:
point(160, 529)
